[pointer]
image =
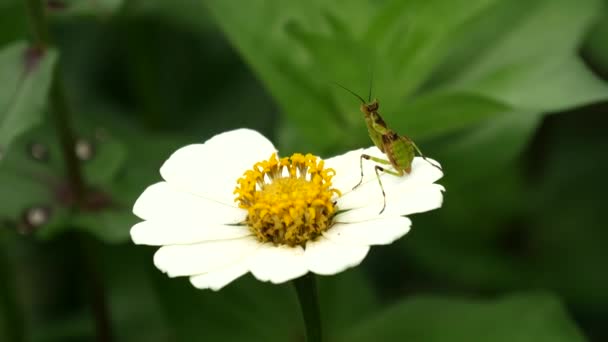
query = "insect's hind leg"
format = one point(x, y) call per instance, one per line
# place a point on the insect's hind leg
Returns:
point(424, 157)
point(368, 157)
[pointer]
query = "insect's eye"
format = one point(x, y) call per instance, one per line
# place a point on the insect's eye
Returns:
point(372, 107)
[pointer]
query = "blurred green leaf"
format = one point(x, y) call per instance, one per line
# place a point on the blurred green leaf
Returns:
point(450, 111)
point(31, 182)
point(595, 47)
point(500, 229)
point(339, 312)
point(26, 73)
point(13, 22)
point(527, 57)
point(38, 181)
point(77, 327)
point(566, 214)
point(233, 314)
point(519, 318)
point(281, 64)
point(489, 252)
point(261, 311)
point(108, 156)
point(438, 66)
point(482, 176)
point(493, 144)
point(12, 326)
point(110, 225)
point(134, 304)
point(84, 7)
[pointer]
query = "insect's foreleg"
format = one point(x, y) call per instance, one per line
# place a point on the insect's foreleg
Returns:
point(368, 157)
point(378, 169)
point(394, 173)
point(423, 156)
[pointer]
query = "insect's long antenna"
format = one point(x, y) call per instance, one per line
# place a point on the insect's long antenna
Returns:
point(371, 85)
point(350, 91)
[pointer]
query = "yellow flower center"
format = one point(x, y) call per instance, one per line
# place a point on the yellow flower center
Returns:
point(289, 200)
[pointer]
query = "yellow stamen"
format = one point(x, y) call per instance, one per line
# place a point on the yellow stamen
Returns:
point(289, 200)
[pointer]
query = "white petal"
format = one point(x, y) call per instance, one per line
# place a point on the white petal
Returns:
point(278, 264)
point(347, 169)
point(161, 201)
point(216, 280)
point(400, 200)
point(212, 169)
point(158, 233)
point(326, 257)
point(183, 260)
point(373, 232)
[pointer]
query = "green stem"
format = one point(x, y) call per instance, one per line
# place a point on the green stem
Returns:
point(40, 32)
point(309, 303)
point(61, 115)
point(63, 126)
point(14, 325)
point(60, 109)
point(97, 292)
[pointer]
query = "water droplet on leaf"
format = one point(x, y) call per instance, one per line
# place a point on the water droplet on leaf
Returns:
point(38, 151)
point(84, 149)
point(33, 218)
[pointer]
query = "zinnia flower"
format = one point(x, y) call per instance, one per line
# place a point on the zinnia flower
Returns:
point(231, 206)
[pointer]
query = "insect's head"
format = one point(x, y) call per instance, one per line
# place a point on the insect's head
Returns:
point(369, 107)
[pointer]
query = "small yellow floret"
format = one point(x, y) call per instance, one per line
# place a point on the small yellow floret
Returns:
point(289, 200)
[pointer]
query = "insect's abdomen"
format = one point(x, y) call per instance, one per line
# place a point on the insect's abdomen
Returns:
point(401, 153)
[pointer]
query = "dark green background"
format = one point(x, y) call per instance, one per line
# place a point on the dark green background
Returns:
point(506, 94)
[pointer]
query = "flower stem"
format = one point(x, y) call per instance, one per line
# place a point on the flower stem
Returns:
point(306, 288)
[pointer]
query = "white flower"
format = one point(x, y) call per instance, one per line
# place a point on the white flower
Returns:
point(292, 215)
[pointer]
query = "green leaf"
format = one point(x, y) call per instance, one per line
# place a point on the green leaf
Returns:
point(438, 66)
point(86, 7)
point(12, 327)
point(30, 182)
point(595, 47)
point(25, 73)
point(41, 183)
point(566, 209)
point(134, 303)
point(489, 146)
point(109, 225)
point(339, 311)
point(13, 21)
point(524, 54)
point(439, 113)
point(261, 311)
point(109, 156)
point(534, 318)
point(481, 176)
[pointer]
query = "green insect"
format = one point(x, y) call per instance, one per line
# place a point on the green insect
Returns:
point(399, 149)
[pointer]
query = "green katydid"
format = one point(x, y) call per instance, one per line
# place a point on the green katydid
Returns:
point(399, 149)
